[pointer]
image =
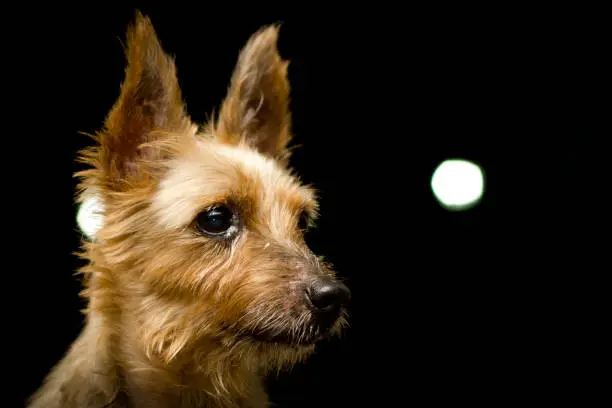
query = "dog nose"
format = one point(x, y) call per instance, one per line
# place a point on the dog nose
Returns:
point(327, 296)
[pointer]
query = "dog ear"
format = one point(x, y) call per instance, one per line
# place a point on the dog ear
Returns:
point(150, 101)
point(255, 111)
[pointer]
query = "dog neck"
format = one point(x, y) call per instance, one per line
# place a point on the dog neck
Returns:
point(208, 380)
point(107, 367)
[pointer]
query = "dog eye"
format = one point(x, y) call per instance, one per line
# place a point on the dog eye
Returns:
point(216, 221)
point(304, 221)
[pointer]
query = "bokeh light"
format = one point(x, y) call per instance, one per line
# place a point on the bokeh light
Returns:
point(457, 184)
point(89, 217)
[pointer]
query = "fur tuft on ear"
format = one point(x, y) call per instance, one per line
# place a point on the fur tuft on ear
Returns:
point(150, 105)
point(255, 111)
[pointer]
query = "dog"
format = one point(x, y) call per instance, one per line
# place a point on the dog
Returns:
point(199, 282)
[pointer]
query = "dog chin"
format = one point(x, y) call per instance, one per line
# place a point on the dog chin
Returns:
point(286, 340)
point(304, 339)
point(282, 339)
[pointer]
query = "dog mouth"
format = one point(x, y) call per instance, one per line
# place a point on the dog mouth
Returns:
point(294, 331)
point(296, 337)
point(286, 339)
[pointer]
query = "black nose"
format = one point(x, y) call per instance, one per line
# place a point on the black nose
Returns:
point(327, 296)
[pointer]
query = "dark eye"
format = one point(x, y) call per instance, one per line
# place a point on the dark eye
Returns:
point(304, 221)
point(216, 221)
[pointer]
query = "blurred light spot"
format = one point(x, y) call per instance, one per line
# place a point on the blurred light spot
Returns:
point(457, 184)
point(89, 217)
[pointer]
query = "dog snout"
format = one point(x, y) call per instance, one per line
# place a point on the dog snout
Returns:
point(326, 297)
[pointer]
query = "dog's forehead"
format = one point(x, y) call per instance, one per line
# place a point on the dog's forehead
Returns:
point(252, 163)
point(215, 172)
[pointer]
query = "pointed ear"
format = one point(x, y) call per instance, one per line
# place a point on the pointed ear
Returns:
point(256, 109)
point(150, 101)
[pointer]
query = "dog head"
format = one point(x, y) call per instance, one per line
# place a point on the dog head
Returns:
point(203, 239)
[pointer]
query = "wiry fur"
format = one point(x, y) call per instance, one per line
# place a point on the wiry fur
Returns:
point(173, 315)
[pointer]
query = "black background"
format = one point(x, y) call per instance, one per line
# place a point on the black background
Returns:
point(447, 307)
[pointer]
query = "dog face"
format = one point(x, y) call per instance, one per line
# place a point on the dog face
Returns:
point(203, 238)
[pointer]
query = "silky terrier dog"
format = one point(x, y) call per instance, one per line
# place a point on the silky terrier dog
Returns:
point(199, 281)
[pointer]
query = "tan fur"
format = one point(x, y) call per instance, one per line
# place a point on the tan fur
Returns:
point(170, 311)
